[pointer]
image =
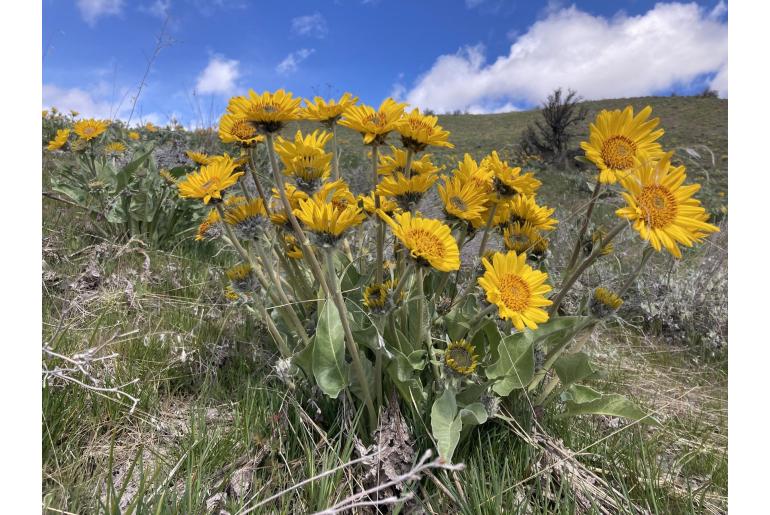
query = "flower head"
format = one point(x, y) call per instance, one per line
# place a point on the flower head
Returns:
point(468, 170)
point(523, 238)
point(210, 181)
point(60, 140)
point(326, 222)
point(379, 297)
point(149, 127)
point(115, 147)
point(604, 302)
point(406, 191)
point(524, 209)
point(464, 200)
point(460, 357)
point(429, 241)
point(516, 289)
point(268, 111)
point(293, 250)
point(373, 125)
point(418, 131)
point(206, 230)
point(617, 138)
point(198, 157)
point(509, 181)
point(305, 159)
point(662, 208)
point(242, 278)
point(396, 162)
point(133, 135)
point(249, 218)
point(328, 112)
point(387, 206)
point(90, 129)
point(235, 129)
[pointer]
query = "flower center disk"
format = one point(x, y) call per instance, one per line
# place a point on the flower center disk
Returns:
point(658, 206)
point(514, 292)
point(618, 152)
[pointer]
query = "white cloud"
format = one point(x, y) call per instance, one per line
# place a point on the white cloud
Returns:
point(310, 25)
point(219, 76)
point(92, 10)
point(86, 103)
point(291, 63)
point(599, 57)
point(158, 8)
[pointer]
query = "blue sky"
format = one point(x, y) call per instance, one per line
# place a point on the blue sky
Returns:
point(474, 55)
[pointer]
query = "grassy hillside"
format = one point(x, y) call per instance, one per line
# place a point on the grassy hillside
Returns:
point(215, 429)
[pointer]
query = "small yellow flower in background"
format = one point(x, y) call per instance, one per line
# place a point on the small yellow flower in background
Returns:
point(133, 135)
point(379, 297)
point(429, 241)
point(54, 110)
point(74, 113)
point(90, 128)
point(197, 157)
point(507, 180)
point(239, 161)
point(607, 298)
point(61, 138)
point(464, 200)
point(209, 183)
point(418, 131)
point(396, 162)
point(326, 222)
point(293, 250)
point(373, 125)
point(115, 147)
point(617, 138)
point(387, 205)
point(460, 357)
point(45, 113)
point(208, 223)
point(268, 111)
point(305, 159)
point(243, 279)
point(167, 177)
point(516, 289)
point(662, 208)
point(523, 238)
point(327, 112)
point(524, 209)
point(597, 237)
point(236, 129)
point(249, 218)
point(407, 192)
point(149, 127)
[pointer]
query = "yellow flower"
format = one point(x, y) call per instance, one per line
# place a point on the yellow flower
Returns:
point(509, 181)
point(662, 208)
point(90, 129)
point(45, 113)
point(149, 127)
point(116, 147)
point(523, 238)
point(249, 218)
point(516, 289)
point(198, 157)
point(133, 135)
point(166, 176)
point(607, 298)
point(292, 193)
point(406, 191)
point(616, 138)
point(429, 241)
point(234, 129)
point(469, 171)
point(293, 250)
point(524, 209)
point(242, 278)
point(327, 112)
point(337, 192)
point(305, 159)
point(464, 201)
point(61, 138)
point(387, 205)
point(378, 297)
point(74, 113)
point(208, 223)
point(419, 130)
point(373, 125)
point(209, 183)
point(460, 357)
point(396, 162)
point(268, 111)
point(596, 238)
point(326, 222)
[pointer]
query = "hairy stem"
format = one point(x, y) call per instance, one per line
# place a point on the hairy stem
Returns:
point(586, 221)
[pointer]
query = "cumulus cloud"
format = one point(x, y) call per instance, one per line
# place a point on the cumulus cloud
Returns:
point(85, 102)
point(92, 10)
point(671, 44)
point(219, 76)
point(158, 8)
point(291, 63)
point(310, 25)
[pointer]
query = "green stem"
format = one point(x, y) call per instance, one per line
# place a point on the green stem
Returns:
point(595, 253)
point(554, 354)
point(586, 221)
point(336, 158)
point(380, 222)
point(408, 165)
point(255, 178)
point(631, 278)
point(273, 330)
point(487, 228)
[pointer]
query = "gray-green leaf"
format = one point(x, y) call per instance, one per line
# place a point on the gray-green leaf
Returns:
point(329, 366)
point(446, 424)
